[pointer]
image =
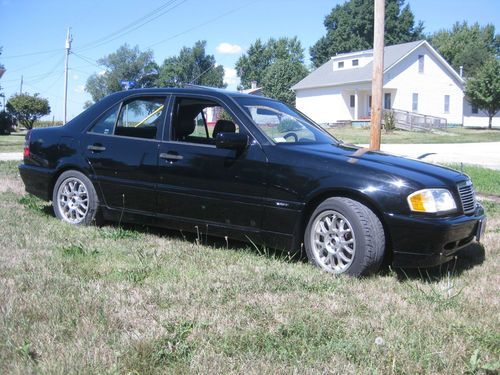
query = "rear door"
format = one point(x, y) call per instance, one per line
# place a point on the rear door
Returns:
point(199, 181)
point(122, 148)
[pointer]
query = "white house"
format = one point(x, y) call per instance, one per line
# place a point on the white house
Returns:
point(416, 79)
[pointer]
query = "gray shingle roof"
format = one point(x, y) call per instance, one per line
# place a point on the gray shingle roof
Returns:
point(326, 76)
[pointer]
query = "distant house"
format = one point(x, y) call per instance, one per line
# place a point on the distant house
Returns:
point(416, 79)
point(254, 90)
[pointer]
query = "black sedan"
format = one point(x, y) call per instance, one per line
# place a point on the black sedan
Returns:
point(254, 169)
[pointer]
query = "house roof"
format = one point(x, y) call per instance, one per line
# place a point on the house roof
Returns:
point(325, 75)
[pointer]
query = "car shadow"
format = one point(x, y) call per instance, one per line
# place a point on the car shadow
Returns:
point(470, 256)
point(211, 241)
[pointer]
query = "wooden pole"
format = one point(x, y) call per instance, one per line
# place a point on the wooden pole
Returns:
point(378, 74)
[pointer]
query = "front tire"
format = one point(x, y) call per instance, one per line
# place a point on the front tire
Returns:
point(344, 236)
point(74, 198)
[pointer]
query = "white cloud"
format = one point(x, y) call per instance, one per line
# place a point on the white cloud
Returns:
point(76, 77)
point(227, 48)
point(101, 73)
point(79, 89)
point(231, 78)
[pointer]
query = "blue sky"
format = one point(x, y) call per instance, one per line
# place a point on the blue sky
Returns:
point(32, 26)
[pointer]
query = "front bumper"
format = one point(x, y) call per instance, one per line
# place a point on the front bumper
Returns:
point(427, 242)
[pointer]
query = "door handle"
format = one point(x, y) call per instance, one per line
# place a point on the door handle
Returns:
point(168, 156)
point(96, 148)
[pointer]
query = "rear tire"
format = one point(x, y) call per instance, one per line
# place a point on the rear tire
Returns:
point(74, 199)
point(344, 236)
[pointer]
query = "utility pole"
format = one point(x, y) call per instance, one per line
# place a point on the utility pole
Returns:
point(68, 49)
point(378, 74)
point(21, 87)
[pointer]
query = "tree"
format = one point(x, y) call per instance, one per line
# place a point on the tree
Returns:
point(280, 77)
point(349, 28)
point(193, 66)
point(28, 108)
point(126, 63)
point(483, 90)
point(260, 56)
point(467, 46)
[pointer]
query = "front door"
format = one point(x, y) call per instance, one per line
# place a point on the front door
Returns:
point(199, 181)
point(122, 148)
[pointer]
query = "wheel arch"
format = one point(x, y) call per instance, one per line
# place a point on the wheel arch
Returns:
point(314, 201)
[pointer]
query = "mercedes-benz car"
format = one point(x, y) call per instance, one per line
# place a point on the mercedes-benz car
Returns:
point(253, 169)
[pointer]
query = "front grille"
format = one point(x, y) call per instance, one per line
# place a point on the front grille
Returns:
point(467, 196)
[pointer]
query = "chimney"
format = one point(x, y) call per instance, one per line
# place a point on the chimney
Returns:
point(461, 71)
point(254, 84)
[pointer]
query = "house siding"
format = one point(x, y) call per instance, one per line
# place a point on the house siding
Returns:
point(431, 86)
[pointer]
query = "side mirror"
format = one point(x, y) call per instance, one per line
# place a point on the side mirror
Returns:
point(231, 141)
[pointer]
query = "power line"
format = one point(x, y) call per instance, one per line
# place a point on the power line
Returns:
point(32, 54)
point(151, 16)
point(201, 24)
point(86, 59)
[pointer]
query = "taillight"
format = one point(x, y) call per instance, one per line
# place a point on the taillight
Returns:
point(27, 141)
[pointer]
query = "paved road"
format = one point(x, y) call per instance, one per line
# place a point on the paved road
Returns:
point(486, 154)
point(5, 156)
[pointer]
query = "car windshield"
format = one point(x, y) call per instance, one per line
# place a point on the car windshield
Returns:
point(281, 123)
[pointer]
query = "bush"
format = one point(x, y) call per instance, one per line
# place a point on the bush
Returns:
point(6, 123)
point(389, 121)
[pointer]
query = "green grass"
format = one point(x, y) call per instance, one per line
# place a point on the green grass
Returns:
point(137, 300)
point(453, 135)
point(12, 143)
point(486, 181)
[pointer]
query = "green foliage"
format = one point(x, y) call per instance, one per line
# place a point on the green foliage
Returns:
point(193, 66)
point(483, 90)
point(253, 65)
point(349, 28)
point(467, 46)
point(288, 125)
point(32, 203)
point(6, 122)
point(280, 77)
point(125, 64)
point(389, 121)
point(28, 108)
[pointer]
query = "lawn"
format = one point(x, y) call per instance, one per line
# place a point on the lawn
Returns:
point(452, 135)
point(486, 180)
point(138, 300)
point(12, 143)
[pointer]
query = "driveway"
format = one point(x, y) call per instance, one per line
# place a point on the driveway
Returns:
point(6, 156)
point(485, 154)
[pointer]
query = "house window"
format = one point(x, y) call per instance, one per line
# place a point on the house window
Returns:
point(446, 104)
point(340, 64)
point(355, 62)
point(420, 63)
point(370, 101)
point(474, 109)
point(352, 101)
point(414, 102)
point(387, 100)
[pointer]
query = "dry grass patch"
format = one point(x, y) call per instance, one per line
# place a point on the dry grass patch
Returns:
point(140, 300)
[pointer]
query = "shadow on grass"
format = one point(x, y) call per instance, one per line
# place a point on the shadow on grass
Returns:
point(202, 238)
point(470, 256)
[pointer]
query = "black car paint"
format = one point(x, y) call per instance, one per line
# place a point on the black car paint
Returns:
point(263, 193)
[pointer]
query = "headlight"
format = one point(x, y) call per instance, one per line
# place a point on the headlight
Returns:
point(431, 201)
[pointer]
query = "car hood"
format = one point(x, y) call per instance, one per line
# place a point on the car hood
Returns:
point(384, 164)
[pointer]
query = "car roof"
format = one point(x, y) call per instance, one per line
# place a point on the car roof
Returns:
point(189, 89)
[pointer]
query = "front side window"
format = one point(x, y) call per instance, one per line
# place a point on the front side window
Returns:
point(281, 123)
point(141, 118)
point(200, 120)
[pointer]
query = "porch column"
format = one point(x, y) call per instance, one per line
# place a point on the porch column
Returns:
point(356, 105)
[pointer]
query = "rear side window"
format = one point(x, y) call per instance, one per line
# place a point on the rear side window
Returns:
point(141, 118)
point(106, 123)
